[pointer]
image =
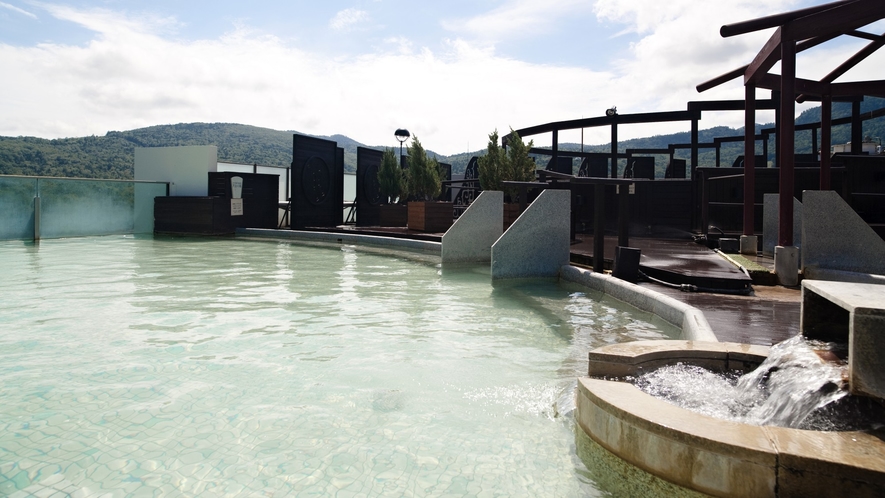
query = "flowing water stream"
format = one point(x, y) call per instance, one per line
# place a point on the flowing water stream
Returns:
point(792, 388)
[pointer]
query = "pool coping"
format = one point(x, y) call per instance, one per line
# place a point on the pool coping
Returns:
point(691, 320)
point(423, 246)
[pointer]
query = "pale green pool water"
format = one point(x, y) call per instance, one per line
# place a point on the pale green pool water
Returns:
point(182, 367)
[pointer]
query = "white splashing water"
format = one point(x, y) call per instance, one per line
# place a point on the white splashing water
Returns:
point(788, 387)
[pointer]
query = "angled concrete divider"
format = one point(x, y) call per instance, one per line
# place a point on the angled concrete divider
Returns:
point(834, 237)
point(770, 220)
point(470, 239)
point(537, 243)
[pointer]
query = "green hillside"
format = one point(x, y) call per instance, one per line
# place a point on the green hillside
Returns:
point(112, 155)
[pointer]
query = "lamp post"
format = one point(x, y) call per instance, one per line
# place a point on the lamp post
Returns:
point(402, 135)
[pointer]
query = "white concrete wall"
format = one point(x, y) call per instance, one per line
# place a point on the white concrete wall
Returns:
point(185, 168)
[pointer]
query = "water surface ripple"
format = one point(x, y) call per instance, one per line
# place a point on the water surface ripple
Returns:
point(180, 366)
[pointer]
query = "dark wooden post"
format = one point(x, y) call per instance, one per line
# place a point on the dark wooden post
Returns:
point(749, 158)
point(598, 227)
point(623, 215)
point(555, 146)
point(785, 138)
point(826, 129)
point(856, 129)
point(614, 164)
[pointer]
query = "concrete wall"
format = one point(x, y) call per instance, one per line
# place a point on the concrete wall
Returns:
point(470, 239)
point(185, 168)
point(537, 244)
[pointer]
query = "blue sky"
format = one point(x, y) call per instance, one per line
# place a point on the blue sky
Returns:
point(450, 72)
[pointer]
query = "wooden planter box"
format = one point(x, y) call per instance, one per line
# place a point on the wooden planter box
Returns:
point(392, 215)
point(511, 212)
point(431, 216)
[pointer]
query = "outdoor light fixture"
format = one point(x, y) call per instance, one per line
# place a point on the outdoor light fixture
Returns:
point(402, 135)
point(612, 112)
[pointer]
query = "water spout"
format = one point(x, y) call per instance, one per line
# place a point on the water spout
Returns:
point(793, 383)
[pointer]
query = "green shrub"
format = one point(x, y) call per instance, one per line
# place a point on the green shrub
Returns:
point(390, 178)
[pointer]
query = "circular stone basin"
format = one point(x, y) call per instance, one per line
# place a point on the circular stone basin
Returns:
point(713, 456)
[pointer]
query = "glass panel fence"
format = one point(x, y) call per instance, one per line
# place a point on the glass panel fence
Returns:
point(17, 207)
point(74, 207)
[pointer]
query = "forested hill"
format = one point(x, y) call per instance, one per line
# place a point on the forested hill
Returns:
point(112, 155)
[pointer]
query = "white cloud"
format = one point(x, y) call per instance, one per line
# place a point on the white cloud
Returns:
point(347, 18)
point(131, 76)
point(18, 10)
point(516, 19)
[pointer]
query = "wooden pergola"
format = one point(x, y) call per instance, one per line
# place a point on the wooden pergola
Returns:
point(798, 31)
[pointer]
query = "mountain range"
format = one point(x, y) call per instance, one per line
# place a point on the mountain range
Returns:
point(112, 155)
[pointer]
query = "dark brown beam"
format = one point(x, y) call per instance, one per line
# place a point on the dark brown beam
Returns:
point(839, 20)
point(765, 59)
point(870, 88)
point(727, 105)
point(865, 35)
point(725, 78)
point(649, 117)
point(776, 20)
point(865, 52)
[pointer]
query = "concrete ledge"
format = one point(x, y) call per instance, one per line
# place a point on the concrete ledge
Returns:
point(345, 238)
point(690, 319)
point(719, 457)
point(852, 312)
point(815, 273)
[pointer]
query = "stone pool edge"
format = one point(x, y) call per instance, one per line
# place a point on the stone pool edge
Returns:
point(716, 457)
point(691, 320)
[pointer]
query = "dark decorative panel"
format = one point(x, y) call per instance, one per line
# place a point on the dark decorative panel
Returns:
point(641, 167)
point(260, 196)
point(676, 169)
point(446, 193)
point(368, 193)
point(596, 167)
point(468, 190)
point(562, 165)
point(317, 183)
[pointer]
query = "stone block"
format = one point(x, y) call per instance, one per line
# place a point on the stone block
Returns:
point(749, 245)
point(786, 265)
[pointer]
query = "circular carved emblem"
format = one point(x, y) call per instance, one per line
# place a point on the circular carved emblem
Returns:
point(316, 180)
point(371, 187)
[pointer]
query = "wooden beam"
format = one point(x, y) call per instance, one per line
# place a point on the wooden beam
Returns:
point(765, 59)
point(870, 88)
point(840, 20)
point(772, 21)
point(725, 78)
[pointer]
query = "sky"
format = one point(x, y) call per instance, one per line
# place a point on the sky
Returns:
point(450, 72)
